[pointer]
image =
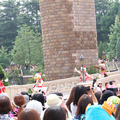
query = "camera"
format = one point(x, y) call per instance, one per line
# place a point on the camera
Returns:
point(87, 88)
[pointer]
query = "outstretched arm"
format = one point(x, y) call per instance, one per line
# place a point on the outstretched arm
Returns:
point(77, 71)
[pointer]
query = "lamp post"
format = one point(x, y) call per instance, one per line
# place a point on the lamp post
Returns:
point(103, 55)
point(12, 67)
point(82, 58)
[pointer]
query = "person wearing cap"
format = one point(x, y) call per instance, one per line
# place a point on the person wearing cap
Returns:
point(34, 104)
point(99, 112)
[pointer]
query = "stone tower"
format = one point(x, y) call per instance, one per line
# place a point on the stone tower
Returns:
point(68, 31)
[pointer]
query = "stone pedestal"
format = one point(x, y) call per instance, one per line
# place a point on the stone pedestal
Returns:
point(68, 30)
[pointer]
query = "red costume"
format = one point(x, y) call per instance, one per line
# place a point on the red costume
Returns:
point(83, 72)
point(39, 84)
point(86, 75)
point(2, 87)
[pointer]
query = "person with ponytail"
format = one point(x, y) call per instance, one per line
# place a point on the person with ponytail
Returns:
point(18, 104)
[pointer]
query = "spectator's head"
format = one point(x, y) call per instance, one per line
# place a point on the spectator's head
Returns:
point(79, 91)
point(106, 85)
point(83, 103)
point(106, 95)
point(55, 113)
point(53, 100)
point(113, 102)
point(18, 102)
point(70, 99)
point(34, 104)
point(29, 114)
point(24, 93)
point(98, 95)
point(39, 97)
point(100, 84)
point(117, 113)
point(114, 90)
point(111, 82)
point(5, 105)
point(98, 112)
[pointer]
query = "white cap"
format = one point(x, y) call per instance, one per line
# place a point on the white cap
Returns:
point(34, 104)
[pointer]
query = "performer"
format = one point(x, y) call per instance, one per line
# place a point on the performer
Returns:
point(102, 68)
point(2, 87)
point(83, 74)
point(39, 84)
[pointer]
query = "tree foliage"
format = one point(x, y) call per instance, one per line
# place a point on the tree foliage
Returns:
point(114, 37)
point(13, 14)
point(28, 47)
point(8, 22)
point(106, 11)
point(4, 58)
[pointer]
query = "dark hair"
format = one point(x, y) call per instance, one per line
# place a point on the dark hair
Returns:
point(79, 91)
point(106, 95)
point(117, 113)
point(82, 104)
point(19, 100)
point(94, 80)
point(5, 105)
point(70, 99)
point(39, 97)
point(99, 84)
point(55, 113)
point(98, 95)
point(29, 114)
point(111, 82)
point(114, 90)
point(106, 83)
point(24, 93)
point(57, 93)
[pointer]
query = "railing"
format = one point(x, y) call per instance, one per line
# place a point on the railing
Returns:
point(62, 85)
point(112, 66)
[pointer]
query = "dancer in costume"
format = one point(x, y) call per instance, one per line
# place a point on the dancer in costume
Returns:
point(83, 73)
point(102, 69)
point(39, 83)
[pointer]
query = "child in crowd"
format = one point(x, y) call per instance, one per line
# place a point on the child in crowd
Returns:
point(18, 104)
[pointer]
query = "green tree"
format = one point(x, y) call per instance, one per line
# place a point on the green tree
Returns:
point(30, 14)
point(114, 36)
point(101, 48)
point(118, 48)
point(9, 11)
point(28, 47)
point(4, 57)
point(106, 11)
point(14, 13)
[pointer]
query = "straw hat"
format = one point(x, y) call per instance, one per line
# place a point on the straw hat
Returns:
point(53, 100)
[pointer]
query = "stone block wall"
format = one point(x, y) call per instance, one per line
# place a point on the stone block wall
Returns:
point(68, 28)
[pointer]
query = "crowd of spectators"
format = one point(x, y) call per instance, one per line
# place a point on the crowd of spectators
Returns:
point(96, 102)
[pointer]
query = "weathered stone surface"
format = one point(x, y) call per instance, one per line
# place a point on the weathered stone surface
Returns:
point(69, 30)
